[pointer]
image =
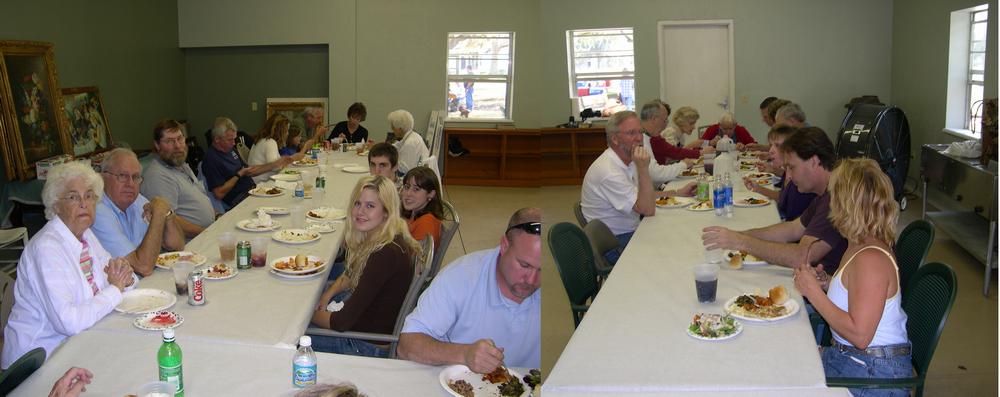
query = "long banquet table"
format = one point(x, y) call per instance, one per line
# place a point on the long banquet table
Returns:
point(241, 342)
point(633, 338)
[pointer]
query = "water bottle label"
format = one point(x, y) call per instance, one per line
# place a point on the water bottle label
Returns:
point(303, 376)
point(172, 375)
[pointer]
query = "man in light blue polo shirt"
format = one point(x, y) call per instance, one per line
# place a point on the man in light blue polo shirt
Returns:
point(120, 222)
point(485, 308)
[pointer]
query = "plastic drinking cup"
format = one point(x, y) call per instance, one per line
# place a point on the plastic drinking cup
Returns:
point(318, 194)
point(298, 213)
point(713, 256)
point(706, 281)
point(156, 389)
point(258, 251)
point(308, 180)
point(227, 246)
point(181, 270)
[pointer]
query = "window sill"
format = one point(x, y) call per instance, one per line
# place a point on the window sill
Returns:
point(960, 133)
point(481, 121)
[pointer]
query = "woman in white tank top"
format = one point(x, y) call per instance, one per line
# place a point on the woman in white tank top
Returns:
point(862, 304)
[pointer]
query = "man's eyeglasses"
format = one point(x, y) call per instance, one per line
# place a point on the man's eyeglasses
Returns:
point(124, 177)
point(530, 227)
point(77, 199)
point(172, 141)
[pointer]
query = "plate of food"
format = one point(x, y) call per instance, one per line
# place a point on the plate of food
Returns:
point(750, 202)
point(295, 236)
point(220, 272)
point(305, 162)
point(274, 210)
point(326, 213)
point(145, 300)
point(763, 182)
point(460, 381)
point(674, 202)
point(266, 192)
point(356, 169)
point(321, 227)
point(748, 163)
point(252, 225)
point(301, 276)
point(688, 174)
point(748, 154)
point(759, 175)
point(167, 260)
point(699, 161)
point(297, 264)
point(714, 327)
point(157, 321)
point(701, 206)
point(760, 308)
point(747, 167)
point(739, 258)
point(286, 177)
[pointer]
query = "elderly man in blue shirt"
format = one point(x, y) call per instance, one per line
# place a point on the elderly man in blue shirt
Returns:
point(127, 224)
point(485, 308)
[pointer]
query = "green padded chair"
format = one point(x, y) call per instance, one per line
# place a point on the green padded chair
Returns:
point(578, 211)
point(927, 301)
point(601, 240)
point(575, 261)
point(912, 247)
point(21, 370)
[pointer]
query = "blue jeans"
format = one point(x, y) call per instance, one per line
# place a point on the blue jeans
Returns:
point(336, 269)
point(623, 239)
point(468, 97)
point(354, 347)
point(850, 365)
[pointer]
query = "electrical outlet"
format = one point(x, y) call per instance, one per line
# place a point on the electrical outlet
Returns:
point(744, 98)
point(254, 104)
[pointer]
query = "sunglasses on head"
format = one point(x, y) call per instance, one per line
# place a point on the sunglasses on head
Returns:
point(530, 227)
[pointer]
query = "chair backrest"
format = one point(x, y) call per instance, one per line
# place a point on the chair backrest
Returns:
point(7, 239)
point(449, 225)
point(217, 204)
point(574, 259)
point(21, 370)
point(432, 163)
point(6, 298)
point(927, 301)
point(420, 262)
point(601, 240)
point(416, 287)
point(912, 247)
point(579, 214)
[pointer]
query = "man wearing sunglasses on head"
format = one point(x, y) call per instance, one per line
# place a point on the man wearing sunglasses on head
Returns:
point(484, 309)
point(127, 224)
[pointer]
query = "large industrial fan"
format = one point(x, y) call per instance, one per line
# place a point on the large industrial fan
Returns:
point(880, 133)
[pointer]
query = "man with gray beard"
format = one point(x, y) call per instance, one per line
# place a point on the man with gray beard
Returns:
point(169, 177)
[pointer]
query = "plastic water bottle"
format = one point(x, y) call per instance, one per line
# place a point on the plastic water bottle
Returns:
point(304, 364)
point(703, 191)
point(300, 191)
point(728, 187)
point(169, 359)
point(720, 197)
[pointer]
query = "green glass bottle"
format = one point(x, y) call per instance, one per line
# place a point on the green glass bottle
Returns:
point(169, 358)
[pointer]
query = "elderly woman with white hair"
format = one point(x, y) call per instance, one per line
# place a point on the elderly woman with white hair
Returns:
point(727, 128)
point(411, 146)
point(683, 124)
point(66, 281)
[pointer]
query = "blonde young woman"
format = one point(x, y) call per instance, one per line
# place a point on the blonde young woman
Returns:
point(265, 148)
point(862, 304)
point(378, 271)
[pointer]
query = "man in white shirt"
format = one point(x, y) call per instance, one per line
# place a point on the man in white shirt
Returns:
point(411, 146)
point(654, 120)
point(617, 189)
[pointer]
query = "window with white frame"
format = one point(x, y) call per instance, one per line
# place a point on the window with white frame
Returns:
point(601, 68)
point(966, 71)
point(480, 75)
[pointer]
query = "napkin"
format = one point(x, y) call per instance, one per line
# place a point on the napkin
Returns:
point(286, 185)
point(263, 219)
point(334, 306)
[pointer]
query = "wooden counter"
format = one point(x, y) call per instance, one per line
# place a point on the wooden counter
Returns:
point(508, 158)
point(568, 152)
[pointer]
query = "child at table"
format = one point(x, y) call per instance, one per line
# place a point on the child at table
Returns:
point(378, 271)
point(422, 206)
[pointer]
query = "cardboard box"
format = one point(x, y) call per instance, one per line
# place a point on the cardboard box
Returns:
point(42, 167)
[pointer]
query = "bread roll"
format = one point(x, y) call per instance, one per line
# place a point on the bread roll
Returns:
point(736, 262)
point(301, 260)
point(778, 295)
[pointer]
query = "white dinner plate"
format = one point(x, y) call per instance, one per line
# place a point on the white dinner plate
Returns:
point(749, 260)
point(313, 263)
point(305, 163)
point(479, 386)
point(321, 227)
point(295, 236)
point(747, 167)
point(759, 175)
point(748, 155)
point(274, 210)
point(263, 192)
point(144, 300)
point(681, 176)
point(297, 276)
point(736, 323)
point(354, 169)
point(702, 206)
point(250, 225)
point(742, 202)
point(791, 305)
point(208, 276)
point(286, 177)
point(681, 202)
point(326, 213)
point(166, 260)
point(156, 321)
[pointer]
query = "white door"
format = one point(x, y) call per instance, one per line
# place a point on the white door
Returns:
point(696, 67)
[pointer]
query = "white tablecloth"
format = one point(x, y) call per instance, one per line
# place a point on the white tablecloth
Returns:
point(634, 336)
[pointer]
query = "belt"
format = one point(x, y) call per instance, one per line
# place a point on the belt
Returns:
point(874, 351)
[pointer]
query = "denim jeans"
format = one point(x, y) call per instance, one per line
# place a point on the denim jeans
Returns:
point(623, 239)
point(850, 365)
point(354, 347)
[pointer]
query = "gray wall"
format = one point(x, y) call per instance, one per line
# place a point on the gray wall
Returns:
point(127, 49)
point(818, 53)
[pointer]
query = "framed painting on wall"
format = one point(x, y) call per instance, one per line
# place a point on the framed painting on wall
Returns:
point(88, 126)
point(32, 120)
point(292, 107)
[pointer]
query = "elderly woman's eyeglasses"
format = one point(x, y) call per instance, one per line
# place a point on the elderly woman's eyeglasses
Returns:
point(530, 227)
point(77, 199)
point(124, 177)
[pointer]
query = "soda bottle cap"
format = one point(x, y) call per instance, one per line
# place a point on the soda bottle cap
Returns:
point(305, 341)
point(168, 333)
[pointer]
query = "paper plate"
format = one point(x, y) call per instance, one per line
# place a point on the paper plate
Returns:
point(263, 192)
point(479, 386)
point(286, 177)
point(145, 300)
point(297, 276)
point(326, 213)
point(157, 321)
point(745, 202)
point(166, 260)
point(791, 305)
point(274, 210)
point(748, 260)
point(248, 225)
point(699, 207)
point(681, 202)
point(321, 227)
point(313, 263)
point(295, 236)
point(232, 273)
point(355, 170)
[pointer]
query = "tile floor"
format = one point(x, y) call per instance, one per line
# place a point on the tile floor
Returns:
point(964, 364)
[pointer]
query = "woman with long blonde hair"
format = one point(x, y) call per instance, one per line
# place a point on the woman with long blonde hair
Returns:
point(378, 271)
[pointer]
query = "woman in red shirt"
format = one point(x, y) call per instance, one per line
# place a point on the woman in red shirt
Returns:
point(422, 207)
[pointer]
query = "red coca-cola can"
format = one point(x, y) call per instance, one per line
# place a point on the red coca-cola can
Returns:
point(326, 145)
point(196, 289)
